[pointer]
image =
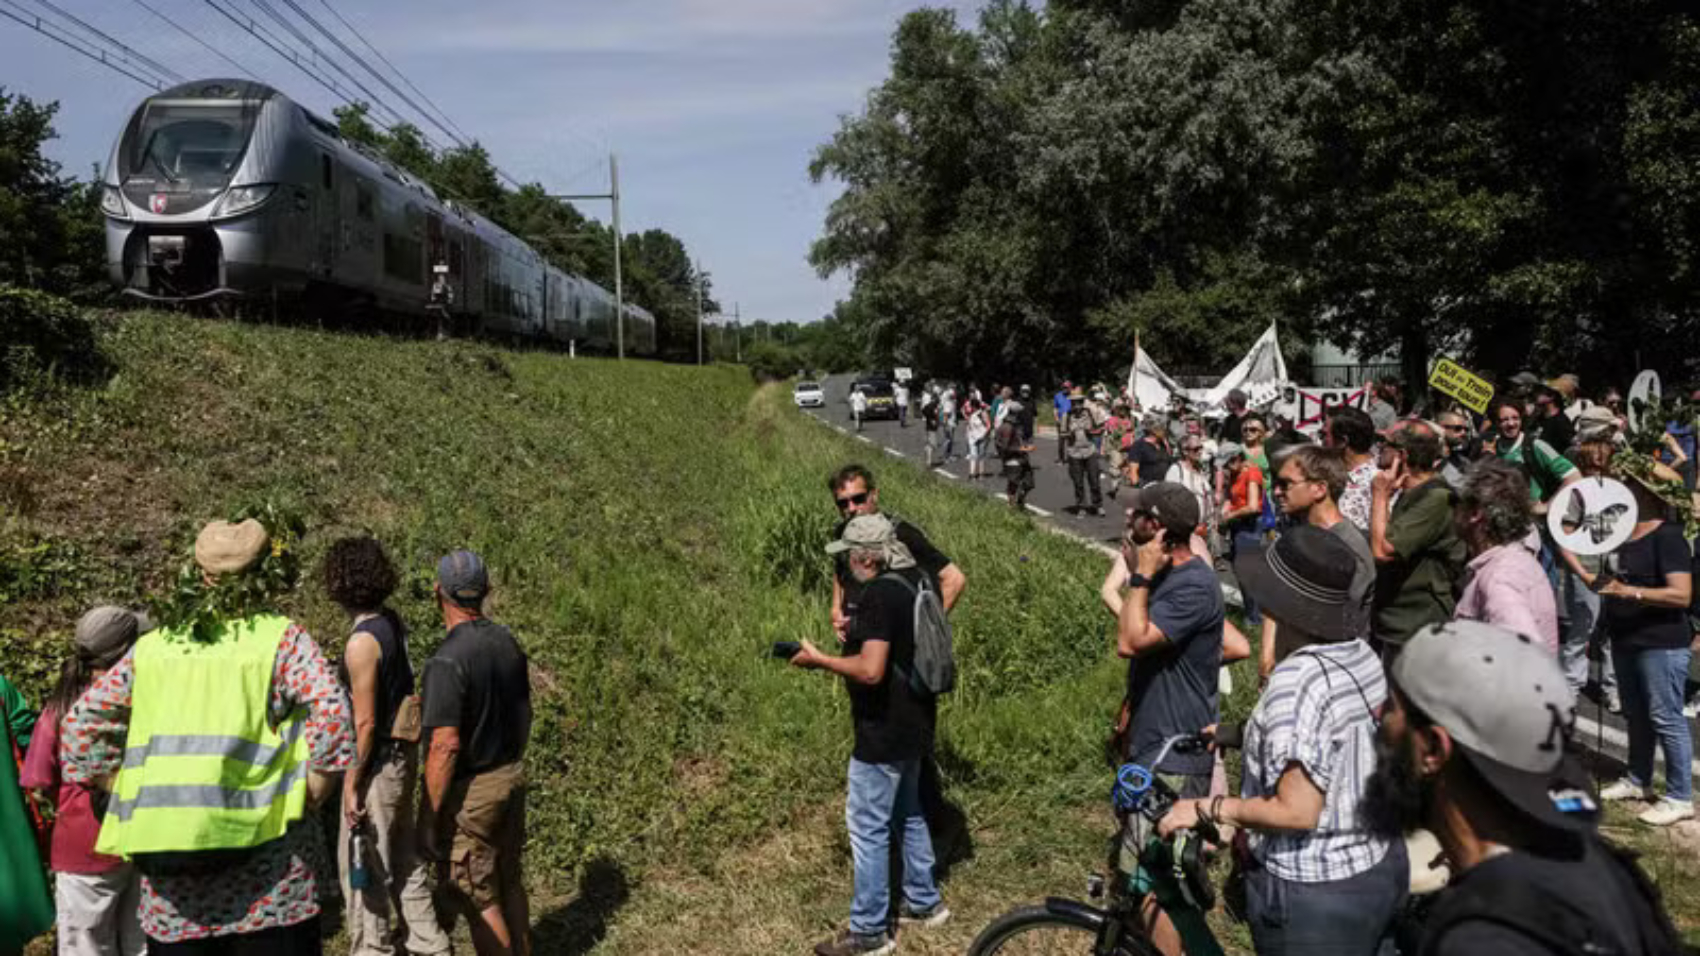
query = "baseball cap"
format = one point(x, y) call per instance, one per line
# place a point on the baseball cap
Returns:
point(1174, 507)
point(873, 533)
point(1508, 707)
point(463, 577)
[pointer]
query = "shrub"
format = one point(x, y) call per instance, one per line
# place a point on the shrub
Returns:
point(45, 337)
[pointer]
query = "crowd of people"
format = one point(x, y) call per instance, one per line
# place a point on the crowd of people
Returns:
point(176, 772)
point(1423, 645)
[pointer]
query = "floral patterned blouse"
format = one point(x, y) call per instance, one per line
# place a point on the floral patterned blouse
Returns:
point(279, 884)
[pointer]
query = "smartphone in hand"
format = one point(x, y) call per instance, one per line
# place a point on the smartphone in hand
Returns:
point(785, 650)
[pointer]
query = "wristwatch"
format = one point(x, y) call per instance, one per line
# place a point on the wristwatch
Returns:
point(1138, 581)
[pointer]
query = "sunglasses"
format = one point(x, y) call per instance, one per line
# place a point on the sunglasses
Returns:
point(1282, 484)
point(849, 500)
point(1453, 428)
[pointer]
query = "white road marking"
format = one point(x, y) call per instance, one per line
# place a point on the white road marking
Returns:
point(1588, 732)
point(941, 471)
point(865, 438)
point(892, 451)
point(1039, 511)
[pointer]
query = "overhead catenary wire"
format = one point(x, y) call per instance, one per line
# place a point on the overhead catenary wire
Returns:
point(321, 59)
point(393, 68)
point(34, 22)
point(180, 28)
point(134, 56)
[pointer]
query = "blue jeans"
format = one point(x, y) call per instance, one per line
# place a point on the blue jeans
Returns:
point(1582, 612)
point(1651, 681)
point(883, 798)
point(1245, 542)
point(1349, 917)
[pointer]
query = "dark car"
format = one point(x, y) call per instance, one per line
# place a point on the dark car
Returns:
point(882, 400)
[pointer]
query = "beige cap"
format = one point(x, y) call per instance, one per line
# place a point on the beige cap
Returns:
point(225, 548)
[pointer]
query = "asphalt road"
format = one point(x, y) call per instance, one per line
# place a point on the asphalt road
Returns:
point(1052, 501)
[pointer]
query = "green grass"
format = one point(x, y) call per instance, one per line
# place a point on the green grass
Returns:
point(651, 529)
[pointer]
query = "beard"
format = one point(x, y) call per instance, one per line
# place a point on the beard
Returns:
point(1397, 798)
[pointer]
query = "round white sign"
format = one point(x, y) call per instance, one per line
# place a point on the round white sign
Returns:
point(1643, 393)
point(1592, 516)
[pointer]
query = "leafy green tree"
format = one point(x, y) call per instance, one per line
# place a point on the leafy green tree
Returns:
point(51, 229)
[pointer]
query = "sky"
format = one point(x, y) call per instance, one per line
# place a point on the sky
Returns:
point(715, 107)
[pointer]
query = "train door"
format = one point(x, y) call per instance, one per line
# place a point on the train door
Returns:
point(436, 249)
point(327, 233)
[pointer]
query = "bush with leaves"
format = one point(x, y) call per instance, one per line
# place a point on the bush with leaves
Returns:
point(45, 336)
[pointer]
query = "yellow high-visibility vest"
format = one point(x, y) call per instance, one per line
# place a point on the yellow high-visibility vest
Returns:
point(204, 769)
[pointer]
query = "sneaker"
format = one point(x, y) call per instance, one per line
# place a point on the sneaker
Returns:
point(1614, 703)
point(855, 944)
point(926, 919)
point(1691, 709)
point(1666, 812)
point(1626, 789)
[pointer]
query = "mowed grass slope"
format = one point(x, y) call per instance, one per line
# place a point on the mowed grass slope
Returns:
point(652, 529)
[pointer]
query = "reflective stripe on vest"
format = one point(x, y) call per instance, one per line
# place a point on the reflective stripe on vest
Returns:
point(204, 769)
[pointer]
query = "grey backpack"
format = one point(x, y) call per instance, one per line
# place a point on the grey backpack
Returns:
point(933, 672)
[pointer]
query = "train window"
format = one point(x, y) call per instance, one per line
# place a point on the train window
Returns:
point(363, 201)
point(325, 170)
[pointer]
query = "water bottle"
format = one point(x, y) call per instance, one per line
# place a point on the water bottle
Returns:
point(359, 876)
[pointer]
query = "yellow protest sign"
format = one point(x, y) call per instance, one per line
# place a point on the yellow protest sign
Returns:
point(1455, 380)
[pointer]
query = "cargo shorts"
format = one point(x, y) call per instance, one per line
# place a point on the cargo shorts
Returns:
point(489, 838)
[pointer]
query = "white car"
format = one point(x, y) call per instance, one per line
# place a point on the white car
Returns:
point(808, 395)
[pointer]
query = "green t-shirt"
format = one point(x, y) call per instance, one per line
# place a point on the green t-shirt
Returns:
point(17, 713)
point(1546, 468)
point(1417, 587)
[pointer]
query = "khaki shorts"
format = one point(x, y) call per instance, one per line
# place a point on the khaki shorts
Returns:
point(484, 860)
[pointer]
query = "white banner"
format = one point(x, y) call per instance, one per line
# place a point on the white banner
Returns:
point(1261, 374)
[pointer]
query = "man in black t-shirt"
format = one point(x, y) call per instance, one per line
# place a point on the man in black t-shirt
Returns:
point(1474, 747)
point(853, 490)
point(476, 705)
point(894, 723)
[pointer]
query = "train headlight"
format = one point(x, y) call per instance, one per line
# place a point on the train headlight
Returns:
point(240, 199)
point(112, 202)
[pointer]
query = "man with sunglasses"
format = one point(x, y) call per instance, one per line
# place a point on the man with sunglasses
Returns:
point(1462, 447)
point(1307, 487)
point(854, 492)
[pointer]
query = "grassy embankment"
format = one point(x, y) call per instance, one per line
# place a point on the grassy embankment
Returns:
point(652, 529)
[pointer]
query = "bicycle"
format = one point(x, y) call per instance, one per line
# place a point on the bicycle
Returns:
point(1178, 868)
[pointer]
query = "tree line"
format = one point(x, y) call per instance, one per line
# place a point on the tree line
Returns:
point(1515, 184)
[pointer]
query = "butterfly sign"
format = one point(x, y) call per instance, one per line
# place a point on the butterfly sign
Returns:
point(1592, 516)
point(1644, 393)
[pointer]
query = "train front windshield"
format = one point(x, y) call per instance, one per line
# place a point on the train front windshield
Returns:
point(184, 150)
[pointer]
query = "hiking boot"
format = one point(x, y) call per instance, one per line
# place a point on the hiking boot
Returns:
point(1626, 789)
point(856, 944)
point(1667, 811)
point(925, 919)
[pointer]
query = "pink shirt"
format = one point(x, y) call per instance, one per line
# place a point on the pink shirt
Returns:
point(1506, 586)
point(75, 826)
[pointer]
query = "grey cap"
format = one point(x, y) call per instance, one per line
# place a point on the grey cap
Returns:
point(1174, 507)
point(463, 577)
point(1507, 705)
point(873, 533)
point(1228, 451)
point(1525, 378)
point(106, 632)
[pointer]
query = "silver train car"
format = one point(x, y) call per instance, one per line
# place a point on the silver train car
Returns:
point(227, 189)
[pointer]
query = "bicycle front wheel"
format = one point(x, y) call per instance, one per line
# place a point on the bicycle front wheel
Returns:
point(1050, 930)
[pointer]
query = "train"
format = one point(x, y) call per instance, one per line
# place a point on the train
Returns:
point(226, 189)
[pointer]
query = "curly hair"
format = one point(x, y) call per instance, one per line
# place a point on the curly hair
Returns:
point(358, 574)
point(1500, 493)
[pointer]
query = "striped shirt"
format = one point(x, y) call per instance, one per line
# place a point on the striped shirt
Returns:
point(1317, 712)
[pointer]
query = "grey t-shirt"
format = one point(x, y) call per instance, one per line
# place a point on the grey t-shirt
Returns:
point(1362, 592)
point(1173, 690)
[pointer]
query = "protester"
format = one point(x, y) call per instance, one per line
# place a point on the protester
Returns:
point(98, 897)
point(476, 713)
point(1151, 455)
point(1547, 470)
point(1236, 403)
point(1308, 488)
point(1419, 558)
point(1474, 747)
point(1504, 584)
point(1190, 472)
point(1352, 431)
point(1079, 438)
point(1383, 407)
point(1015, 450)
point(1645, 614)
point(1550, 423)
point(1118, 440)
point(894, 725)
point(1061, 403)
point(1462, 448)
point(858, 406)
point(26, 902)
point(17, 713)
point(949, 411)
point(1322, 882)
point(1580, 625)
point(377, 789)
point(221, 875)
point(853, 490)
point(979, 427)
point(1001, 405)
point(1242, 504)
point(930, 421)
point(1170, 618)
point(900, 397)
point(1029, 413)
point(1254, 430)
